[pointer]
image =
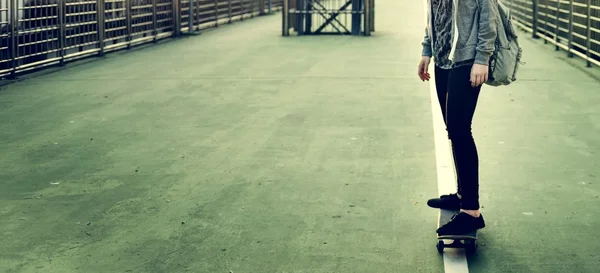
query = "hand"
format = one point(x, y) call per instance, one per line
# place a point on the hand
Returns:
point(423, 68)
point(479, 74)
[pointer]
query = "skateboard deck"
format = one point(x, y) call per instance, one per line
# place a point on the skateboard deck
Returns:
point(467, 241)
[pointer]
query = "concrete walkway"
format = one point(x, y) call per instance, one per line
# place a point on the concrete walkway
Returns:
point(243, 151)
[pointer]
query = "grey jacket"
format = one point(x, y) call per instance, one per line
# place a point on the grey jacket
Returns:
point(474, 32)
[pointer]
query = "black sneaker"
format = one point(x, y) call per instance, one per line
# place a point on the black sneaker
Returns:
point(450, 202)
point(461, 223)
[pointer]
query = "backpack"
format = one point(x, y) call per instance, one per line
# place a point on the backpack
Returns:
point(505, 61)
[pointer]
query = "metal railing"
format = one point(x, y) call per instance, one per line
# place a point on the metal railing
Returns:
point(37, 33)
point(315, 17)
point(571, 25)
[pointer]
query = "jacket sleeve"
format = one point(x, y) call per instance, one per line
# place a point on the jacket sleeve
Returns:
point(488, 31)
point(426, 43)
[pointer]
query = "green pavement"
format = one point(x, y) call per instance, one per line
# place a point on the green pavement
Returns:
point(239, 150)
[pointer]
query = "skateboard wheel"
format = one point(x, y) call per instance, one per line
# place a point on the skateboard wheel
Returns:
point(440, 246)
point(471, 247)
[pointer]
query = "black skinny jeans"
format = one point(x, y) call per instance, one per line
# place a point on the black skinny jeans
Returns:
point(458, 100)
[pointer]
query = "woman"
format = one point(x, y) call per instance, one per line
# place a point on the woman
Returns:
point(460, 36)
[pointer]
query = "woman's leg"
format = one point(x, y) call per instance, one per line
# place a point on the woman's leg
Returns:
point(441, 85)
point(460, 108)
point(450, 201)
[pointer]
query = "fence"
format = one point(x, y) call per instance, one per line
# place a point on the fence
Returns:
point(36, 33)
point(573, 25)
point(314, 17)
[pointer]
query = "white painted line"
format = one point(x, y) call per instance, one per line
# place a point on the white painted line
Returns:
point(455, 260)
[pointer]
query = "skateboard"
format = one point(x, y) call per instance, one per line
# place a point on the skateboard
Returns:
point(467, 241)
